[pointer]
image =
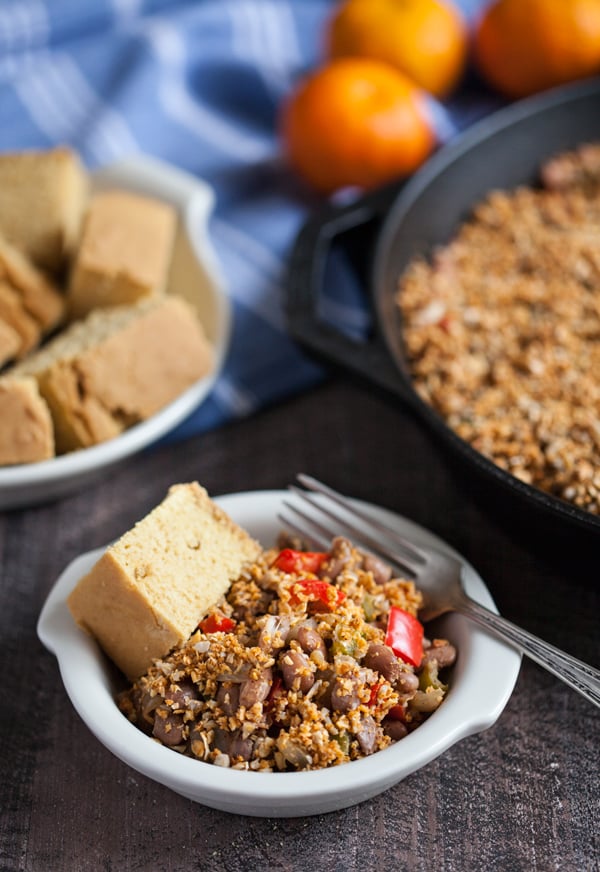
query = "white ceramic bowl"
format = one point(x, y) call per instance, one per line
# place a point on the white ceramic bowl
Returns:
point(195, 275)
point(482, 681)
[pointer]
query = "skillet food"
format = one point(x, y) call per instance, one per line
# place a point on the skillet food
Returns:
point(501, 328)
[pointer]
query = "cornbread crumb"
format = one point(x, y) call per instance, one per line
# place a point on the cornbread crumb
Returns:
point(150, 589)
point(125, 251)
point(26, 434)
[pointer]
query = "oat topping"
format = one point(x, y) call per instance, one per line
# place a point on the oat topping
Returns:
point(502, 329)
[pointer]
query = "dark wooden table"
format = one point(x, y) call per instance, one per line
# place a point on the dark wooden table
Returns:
point(524, 795)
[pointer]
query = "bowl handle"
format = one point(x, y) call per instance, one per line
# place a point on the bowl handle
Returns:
point(369, 357)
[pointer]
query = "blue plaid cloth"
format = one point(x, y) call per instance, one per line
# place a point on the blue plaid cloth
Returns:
point(197, 84)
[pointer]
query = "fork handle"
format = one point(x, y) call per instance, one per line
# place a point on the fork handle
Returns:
point(580, 676)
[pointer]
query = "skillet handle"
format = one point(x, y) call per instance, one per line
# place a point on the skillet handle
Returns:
point(305, 279)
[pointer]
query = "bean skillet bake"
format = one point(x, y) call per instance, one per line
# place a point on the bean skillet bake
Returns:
point(310, 660)
point(502, 329)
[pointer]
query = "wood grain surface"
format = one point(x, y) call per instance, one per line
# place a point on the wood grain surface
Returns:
point(524, 795)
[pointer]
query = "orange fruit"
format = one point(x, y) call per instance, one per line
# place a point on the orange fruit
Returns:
point(425, 39)
point(356, 122)
point(524, 46)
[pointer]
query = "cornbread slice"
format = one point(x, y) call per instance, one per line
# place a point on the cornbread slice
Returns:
point(117, 367)
point(26, 434)
point(10, 342)
point(149, 590)
point(43, 196)
point(125, 251)
point(13, 313)
point(40, 298)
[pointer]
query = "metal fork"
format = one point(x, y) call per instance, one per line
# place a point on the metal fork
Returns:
point(439, 574)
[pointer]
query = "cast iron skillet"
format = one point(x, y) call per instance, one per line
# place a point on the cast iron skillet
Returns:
point(502, 151)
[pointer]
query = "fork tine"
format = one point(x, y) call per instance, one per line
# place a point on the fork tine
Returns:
point(307, 527)
point(412, 552)
point(359, 535)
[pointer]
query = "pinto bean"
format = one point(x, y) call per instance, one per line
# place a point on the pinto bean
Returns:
point(180, 693)
point(394, 729)
point(309, 640)
point(324, 694)
point(340, 556)
point(240, 747)
point(444, 655)
point(407, 682)
point(221, 740)
point(228, 697)
point(381, 570)
point(344, 694)
point(168, 726)
point(297, 671)
point(144, 707)
point(382, 659)
point(255, 690)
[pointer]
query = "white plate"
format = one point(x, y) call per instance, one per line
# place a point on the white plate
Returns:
point(482, 682)
point(195, 275)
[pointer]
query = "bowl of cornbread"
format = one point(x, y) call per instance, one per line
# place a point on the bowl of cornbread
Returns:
point(114, 320)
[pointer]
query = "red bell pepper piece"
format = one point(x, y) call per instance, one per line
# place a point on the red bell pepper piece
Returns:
point(289, 560)
point(374, 692)
point(404, 636)
point(319, 591)
point(217, 623)
point(397, 713)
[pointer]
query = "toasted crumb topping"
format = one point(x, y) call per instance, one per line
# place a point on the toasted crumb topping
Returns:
point(502, 329)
